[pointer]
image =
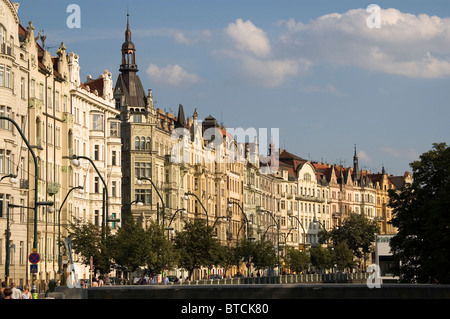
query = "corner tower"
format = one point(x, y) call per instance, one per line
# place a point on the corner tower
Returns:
point(129, 92)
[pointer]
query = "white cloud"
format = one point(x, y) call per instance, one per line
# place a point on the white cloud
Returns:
point(271, 73)
point(171, 74)
point(362, 155)
point(405, 44)
point(249, 38)
point(409, 154)
point(195, 37)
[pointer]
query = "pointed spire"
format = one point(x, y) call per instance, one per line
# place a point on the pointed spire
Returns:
point(181, 122)
point(356, 174)
point(128, 31)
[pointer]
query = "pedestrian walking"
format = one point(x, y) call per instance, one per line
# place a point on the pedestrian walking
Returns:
point(16, 292)
point(7, 292)
point(26, 294)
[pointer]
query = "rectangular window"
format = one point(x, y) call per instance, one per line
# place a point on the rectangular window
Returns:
point(22, 88)
point(114, 129)
point(2, 75)
point(114, 189)
point(143, 170)
point(96, 185)
point(58, 137)
point(57, 101)
point(33, 88)
point(8, 77)
point(49, 97)
point(97, 217)
point(65, 103)
point(41, 91)
point(144, 196)
point(97, 152)
point(97, 122)
point(137, 118)
point(113, 158)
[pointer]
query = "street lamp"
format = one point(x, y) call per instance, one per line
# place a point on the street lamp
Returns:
point(8, 232)
point(182, 211)
point(36, 179)
point(186, 196)
point(140, 182)
point(59, 226)
point(230, 204)
point(304, 232)
point(278, 236)
point(76, 163)
point(13, 179)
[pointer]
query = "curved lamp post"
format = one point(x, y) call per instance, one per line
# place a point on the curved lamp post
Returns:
point(186, 196)
point(59, 226)
point(36, 179)
point(304, 232)
point(182, 211)
point(76, 162)
point(278, 237)
point(230, 204)
point(140, 182)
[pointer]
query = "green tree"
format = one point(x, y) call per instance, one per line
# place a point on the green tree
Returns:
point(226, 257)
point(161, 251)
point(196, 246)
point(131, 246)
point(245, 251)
point(322, 258)
point(343, 256)
point(296, 260)
point(87, 241)
point(421, 247)
point(264, 255)
point(358, 232)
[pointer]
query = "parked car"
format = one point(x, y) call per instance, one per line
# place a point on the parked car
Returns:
point(216, 276)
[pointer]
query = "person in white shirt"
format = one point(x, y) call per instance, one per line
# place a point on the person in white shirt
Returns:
point(16, 293)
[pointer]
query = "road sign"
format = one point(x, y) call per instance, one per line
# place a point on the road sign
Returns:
point(34, 269)
point(34, 258)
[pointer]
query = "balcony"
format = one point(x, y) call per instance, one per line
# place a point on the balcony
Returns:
point(7, 50)
point(24, 184)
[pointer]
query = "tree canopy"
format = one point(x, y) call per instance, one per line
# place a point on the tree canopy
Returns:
point(421, 248)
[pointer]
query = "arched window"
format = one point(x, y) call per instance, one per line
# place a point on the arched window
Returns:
point(142, 143)
point(3, 38)
point(137, 143)
point(148, 144)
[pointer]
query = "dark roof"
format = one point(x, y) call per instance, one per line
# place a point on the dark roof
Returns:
point(130, 86)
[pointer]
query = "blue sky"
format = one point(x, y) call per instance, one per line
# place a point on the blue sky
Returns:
point(313, 69)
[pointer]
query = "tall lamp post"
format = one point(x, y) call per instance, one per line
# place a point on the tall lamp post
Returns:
point(278, 236)
point(76, 162)
point(59, 226)
point(139, 182)
point(230, 204)
point(13, 180)
point(182, 211)
point(36, 178)
point(186, 196)
point(304, 232)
